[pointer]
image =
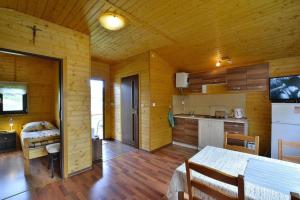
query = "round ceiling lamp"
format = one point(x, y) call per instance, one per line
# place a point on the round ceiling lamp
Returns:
point(112, 21)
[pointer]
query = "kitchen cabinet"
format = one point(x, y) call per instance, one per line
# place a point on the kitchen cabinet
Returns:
point(186, 131)
point(216, 76)
point(195, 82)
point(252, 78)
point(236, 128)
point(211, 133)
point(257, 77)
point(236, 79)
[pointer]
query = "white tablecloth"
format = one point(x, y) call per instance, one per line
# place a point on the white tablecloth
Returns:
point(230, 162)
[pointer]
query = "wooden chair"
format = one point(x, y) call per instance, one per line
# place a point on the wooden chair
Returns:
point(217, 175)
point(282, 144)
point(295, 196)
point(244, 138)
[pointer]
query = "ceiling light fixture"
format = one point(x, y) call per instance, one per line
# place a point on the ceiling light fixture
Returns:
point(218, 64)
point(227, 59)
point(112, 21)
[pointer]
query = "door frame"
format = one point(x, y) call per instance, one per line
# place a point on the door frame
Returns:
point(139, 107)
point(103, 105)
point(61, 99)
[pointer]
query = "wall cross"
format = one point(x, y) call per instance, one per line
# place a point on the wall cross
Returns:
point(34, 31)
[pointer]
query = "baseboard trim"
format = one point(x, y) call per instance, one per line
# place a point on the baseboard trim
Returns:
point(80, 171)
point(159, 148)
point(185, 145)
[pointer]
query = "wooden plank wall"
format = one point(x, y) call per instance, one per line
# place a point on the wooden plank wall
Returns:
point(135, 65)
point(258, 112)
point(40, 76)
point(101, 71)
point(74, 48)
point(57, 96)
point(161, 91)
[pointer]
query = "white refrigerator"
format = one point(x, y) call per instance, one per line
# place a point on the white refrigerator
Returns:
point(285, 125)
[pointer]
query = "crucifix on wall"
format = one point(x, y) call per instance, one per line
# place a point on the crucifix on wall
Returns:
point(34, 31)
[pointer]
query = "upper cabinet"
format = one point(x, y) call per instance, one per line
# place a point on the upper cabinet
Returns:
point(195, 82)
point(253, 77)
point(257, 77)
point(237, 78)
point(217, 76)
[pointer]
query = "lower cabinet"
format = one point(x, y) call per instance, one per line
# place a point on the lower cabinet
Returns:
point(235, 128)
point(186, 131)
point(202, 132)
point(211, 133)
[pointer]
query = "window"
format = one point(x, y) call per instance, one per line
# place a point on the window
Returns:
point(13, 98)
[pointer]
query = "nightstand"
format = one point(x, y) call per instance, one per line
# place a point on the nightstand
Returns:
point(7, 141)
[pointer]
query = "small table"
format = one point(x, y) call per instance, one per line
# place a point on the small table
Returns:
point(7, 141)
point(232, 163)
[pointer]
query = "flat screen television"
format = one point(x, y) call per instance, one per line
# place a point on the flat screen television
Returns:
point(285, 89)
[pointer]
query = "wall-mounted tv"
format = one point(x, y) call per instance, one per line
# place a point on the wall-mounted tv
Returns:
point(285, 89)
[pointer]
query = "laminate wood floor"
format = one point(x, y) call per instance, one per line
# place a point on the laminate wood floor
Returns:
point(12, 179)
point(133, 175)
point(112, 149)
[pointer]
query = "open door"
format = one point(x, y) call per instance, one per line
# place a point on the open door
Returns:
point(97, 108)
point(130, 110)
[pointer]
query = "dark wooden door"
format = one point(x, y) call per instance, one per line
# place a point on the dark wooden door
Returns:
point(130, 110)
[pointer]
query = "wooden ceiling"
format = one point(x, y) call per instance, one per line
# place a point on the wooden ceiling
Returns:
point(190, 34)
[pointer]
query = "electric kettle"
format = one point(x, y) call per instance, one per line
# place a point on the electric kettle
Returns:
point(238, 113)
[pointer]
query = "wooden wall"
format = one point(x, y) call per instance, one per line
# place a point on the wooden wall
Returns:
point(101, 71)
point(161, 91)
point(56, 96)
point(156, 85)
point(135, 65)
point(258, 112)
point(40, 76)
point(74, 48)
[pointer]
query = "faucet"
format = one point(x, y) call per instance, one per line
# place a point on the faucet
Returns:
point(192, 113)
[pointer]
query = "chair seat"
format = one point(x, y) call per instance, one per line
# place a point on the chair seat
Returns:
point(53, 148)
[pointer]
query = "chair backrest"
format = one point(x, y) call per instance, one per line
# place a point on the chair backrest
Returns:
point(214, 174)
point(295, 196)
point(288, 144)
point(244, 138)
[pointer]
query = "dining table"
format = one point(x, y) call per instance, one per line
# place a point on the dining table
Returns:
point(265, 178)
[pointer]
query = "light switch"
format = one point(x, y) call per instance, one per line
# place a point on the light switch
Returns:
point(204, 89)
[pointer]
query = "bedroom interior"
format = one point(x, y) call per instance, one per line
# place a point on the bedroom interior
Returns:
point(122, 99)
point(33, 120)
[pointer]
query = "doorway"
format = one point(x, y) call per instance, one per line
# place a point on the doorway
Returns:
point(97, 108)
point(48, 75)
point(130, 110)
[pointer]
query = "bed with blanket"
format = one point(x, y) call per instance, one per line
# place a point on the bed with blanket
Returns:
point(34, 138)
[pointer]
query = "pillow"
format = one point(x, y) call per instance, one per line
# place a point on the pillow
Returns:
point(48, 125)
point(33, 126)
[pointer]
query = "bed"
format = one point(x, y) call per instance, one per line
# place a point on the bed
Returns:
point(34, 138)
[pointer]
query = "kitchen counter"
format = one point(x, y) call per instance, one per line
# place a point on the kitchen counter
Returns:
point(229, 119)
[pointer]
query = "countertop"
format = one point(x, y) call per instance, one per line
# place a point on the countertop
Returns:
point(229, 119)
